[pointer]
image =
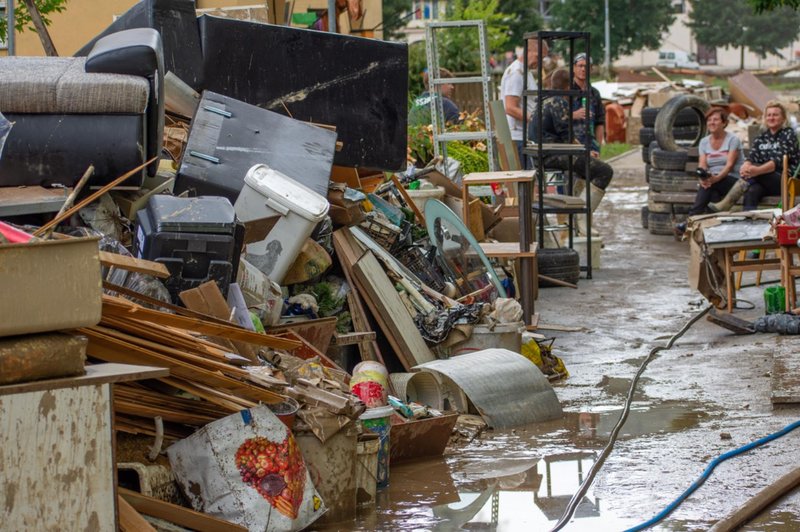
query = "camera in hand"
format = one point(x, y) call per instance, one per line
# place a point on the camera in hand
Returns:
point(702, 173)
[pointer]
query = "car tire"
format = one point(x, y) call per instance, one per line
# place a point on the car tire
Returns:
point(685, 117)
point(665, 121)
point(646, 135)
point(562, 264)
point(672, 181)
point(645, 217)
point(668, 160)
point(659, 223)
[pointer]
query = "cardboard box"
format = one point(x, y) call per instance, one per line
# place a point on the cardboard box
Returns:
point(50, 285)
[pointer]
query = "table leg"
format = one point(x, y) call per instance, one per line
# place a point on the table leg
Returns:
point(729, 278)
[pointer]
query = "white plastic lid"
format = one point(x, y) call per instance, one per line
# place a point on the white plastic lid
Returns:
point(281, 188)
point(377, 412)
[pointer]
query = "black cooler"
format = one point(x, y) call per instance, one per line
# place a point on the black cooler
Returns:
point(195, 238)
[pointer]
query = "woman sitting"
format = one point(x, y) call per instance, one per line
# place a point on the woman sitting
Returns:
point(718, 168)
point(761, 171)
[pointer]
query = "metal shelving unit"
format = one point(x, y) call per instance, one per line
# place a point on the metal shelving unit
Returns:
point(540, 150)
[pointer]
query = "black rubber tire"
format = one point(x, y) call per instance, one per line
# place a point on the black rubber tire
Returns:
point(645, 217)
point(665, 121)
point(671, 181)
point(668, 160)
point(562, 264)
point(647, 169)
point(685, 117)
point(659, 223)
point(657, 206)
point(645, 155)
point(646, 135)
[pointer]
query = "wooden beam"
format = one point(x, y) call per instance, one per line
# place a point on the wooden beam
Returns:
point(177, 514)
point(130, 520)
point(132, 264)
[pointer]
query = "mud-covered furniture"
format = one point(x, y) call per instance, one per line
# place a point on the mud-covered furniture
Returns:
point(69, 112)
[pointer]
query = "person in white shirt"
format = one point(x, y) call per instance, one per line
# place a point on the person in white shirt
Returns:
point(511, 92)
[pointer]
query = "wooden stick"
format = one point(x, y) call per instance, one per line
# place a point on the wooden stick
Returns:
point(177, 514)
point(129, 519)
point(557, 281)
point(86, 201)
point(132, 264)
point(72, 195)
point(762, 499)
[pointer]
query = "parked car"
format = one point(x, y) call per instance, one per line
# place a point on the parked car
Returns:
point(677, 59)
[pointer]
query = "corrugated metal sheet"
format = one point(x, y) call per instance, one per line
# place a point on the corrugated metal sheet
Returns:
point(507, 389)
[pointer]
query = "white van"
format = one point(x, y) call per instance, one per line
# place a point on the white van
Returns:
point(677, 59)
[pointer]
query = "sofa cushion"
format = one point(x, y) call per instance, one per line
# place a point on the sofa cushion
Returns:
point(56, 85)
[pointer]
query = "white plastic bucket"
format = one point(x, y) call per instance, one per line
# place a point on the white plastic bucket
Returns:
point(266, 193)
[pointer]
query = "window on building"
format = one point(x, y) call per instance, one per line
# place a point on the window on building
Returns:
point(679, 6)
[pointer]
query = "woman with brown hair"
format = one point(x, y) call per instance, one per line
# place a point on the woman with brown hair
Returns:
point(761, 171)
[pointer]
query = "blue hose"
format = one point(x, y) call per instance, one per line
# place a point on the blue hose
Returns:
point(699, 482)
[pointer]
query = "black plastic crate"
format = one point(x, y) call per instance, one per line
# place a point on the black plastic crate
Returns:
point(195, 238)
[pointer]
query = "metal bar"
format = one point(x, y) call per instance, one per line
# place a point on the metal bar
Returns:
point(10, 37)
point(332, 16)
point(456, 81)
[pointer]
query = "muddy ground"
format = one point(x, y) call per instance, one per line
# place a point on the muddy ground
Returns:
point(708, 395)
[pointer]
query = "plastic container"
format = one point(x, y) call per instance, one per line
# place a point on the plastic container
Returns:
point(267, 193)
point(774, 299)
point(286, 411)
point(422, 388)
point(502, 336)
point(421, 196)
point(377, 420)
point(367, 470)
point(370, 383)
point(194, 238)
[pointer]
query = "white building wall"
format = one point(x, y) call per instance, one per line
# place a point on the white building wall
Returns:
point(681, 38)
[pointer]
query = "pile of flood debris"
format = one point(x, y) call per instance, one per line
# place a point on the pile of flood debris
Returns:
point(233, 234)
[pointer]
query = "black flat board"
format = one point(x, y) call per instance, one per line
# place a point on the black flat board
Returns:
point(176, 21)
point(247, 137)
point(358, 85)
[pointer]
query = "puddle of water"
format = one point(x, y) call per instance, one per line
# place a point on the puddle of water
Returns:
point(516, 480)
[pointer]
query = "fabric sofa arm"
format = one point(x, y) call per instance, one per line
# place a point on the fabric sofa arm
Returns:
point(136, 52)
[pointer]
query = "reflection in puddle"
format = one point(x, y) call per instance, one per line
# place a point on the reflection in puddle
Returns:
point(520, 480)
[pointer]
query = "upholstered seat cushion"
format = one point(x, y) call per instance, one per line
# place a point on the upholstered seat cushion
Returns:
point(56, 85)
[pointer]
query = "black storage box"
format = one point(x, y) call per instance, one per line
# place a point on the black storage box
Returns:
point(228, 137)
point(195, 238)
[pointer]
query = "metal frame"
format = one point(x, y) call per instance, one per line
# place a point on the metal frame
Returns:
point(542, 150)
point(440, 137)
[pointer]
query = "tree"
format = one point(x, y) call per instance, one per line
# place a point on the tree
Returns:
point(522, 16)
point(633, 25)
point(760, 6)
point(732, 23)
point(23, 19)
point(394, 17)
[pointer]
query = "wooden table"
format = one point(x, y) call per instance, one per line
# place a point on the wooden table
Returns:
point(57, 450)
point(789, 273)
point(731, 238)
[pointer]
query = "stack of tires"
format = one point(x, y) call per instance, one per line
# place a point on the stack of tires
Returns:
point(669, 137)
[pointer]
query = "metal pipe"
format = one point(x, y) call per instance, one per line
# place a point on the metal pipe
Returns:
point(10, 27)
point(607, 51)
point(332, 16)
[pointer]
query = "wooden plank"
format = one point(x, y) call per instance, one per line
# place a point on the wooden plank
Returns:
point(123, 308)
point(316, 332)
point(785, 374)
point(343, 243)
point(31, 200)
point(130, 520)
point(506, 149)
point(132, 264)
point(388, 309)
point(95, 374)
point(177, 514)
point(509, 250)
point(61, 476)
point(482, 178)
point(761, 501)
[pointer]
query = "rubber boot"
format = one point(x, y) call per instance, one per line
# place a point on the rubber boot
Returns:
point(580, 219)
point(733, 195)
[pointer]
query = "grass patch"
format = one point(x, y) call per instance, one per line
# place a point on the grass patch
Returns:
point(607, 151)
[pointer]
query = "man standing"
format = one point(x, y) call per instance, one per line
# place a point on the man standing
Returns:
point(596, 126)
point(511, 92)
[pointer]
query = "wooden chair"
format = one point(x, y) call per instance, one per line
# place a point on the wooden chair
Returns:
point(788, 193)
